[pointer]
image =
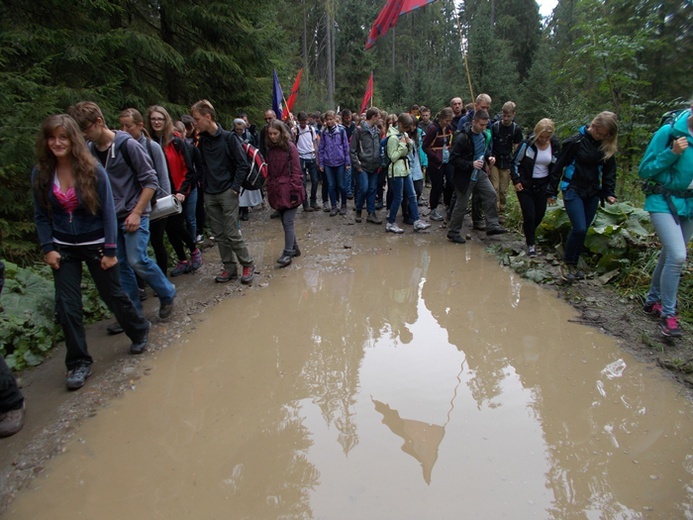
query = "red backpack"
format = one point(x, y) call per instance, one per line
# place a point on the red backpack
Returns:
point(258, 168)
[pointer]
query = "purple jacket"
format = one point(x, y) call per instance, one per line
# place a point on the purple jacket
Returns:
point(333, 149)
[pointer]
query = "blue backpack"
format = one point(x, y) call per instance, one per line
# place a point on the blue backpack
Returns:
point(384, 158)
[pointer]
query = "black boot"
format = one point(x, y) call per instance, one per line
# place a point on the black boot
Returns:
point(296, 251)
point(285, 259)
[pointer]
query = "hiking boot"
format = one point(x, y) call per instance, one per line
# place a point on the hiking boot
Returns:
point(143, 294)
point(343, 210)
point(248, 274)
point(183, 267)
point(567, 273)
point(457, 239)
point(314, 206)
point(114, 329)
point(77, 376)
point(420, 225)
point(394, 228)
point(653, 309)
point(166, 309)
point(225, 276)
point(496, 231)
point(333, 212)
point(285, 259)
point(435, 216)
point(479, 226)
point(196, 259)
point(373, 219)
point(579, 275)
point(307, 208)
point(11, 422)
point(139, 346)
point(531, 251)
point(296, 251)
point(326, 207)
point(670, 327)
point(358, 217)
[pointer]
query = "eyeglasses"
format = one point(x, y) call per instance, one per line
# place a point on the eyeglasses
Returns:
point(86, 128)
point(157, 119)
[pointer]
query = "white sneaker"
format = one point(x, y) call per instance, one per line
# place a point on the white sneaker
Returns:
point(393, 228)
point(420, 225)
point(200, 239)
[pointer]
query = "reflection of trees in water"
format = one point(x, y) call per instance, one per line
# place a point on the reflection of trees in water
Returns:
point(378, 298)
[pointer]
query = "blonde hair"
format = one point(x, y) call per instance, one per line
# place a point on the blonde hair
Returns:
point(509, 107)
point(544, 125)
point(609, 122)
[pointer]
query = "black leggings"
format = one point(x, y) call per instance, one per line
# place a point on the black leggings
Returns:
point(436, 176)
point(533, 204)
point(178, 235)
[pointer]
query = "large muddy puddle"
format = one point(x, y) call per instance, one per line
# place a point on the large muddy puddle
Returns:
point(421, 381)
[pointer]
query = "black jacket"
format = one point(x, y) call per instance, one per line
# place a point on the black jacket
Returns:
point(523, 165)
point(225, 163)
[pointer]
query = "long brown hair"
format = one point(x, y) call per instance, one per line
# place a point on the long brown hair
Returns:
point(83, 162)
point(167, 135)
point(284, 136)
point(609, 122)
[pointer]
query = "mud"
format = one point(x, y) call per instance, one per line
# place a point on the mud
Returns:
point(56, 417)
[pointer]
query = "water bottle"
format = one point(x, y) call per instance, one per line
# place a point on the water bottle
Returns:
point(475, 172)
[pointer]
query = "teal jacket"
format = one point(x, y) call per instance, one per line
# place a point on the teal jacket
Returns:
point(674, 171)
point(398, 153)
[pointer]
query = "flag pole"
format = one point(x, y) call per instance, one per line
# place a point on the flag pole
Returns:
point(464, 54)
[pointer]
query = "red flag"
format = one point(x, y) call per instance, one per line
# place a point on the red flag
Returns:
point(294, 92)
point(368, 95)
point(387, 18)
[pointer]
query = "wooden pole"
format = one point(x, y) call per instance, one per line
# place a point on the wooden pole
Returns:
point(464, 54)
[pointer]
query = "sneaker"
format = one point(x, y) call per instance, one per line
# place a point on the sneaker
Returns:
point(326, 207)
point(373, 219)
point(379, 204)
point(343, 210)
point(274, 214)
point(333, 212)
point(296, 251)
point(394, 228)
point(567, 273)
point(11, 422)
point(225, 276)
point(143, 294)
point(139, 346)
point(358, 217)
point(307, 208)
point(196, 259)
point(420, 225)
point(531, 251)
point(457, 239)
point(285, 259)
point(653, 309)
point(166, 309)
point(200, 239)
point(495, 231)
point(248, 274)
point(670, 327)
point(183, 267)
point(435, 216)
point(579, 275)
point(77, 376)
point(314, 206)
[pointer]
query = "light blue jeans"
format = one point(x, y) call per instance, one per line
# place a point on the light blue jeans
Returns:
point(666, 276)
point(133, 258)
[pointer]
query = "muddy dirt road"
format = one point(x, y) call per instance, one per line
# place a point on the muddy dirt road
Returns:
point(380, 376)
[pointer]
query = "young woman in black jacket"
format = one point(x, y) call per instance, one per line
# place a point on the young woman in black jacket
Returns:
point(530, 175)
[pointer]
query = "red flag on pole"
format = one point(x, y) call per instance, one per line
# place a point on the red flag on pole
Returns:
point(294, 92)
point(388, 16)
point(368, 95)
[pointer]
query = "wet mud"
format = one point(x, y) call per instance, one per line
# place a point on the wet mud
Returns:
point(379, 376)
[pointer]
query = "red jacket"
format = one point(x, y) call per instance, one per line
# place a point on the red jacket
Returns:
point(284, 178)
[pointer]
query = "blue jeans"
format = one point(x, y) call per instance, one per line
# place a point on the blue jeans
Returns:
point(310, 171)
point(335, 181)
point(581, 212)
point(666, 276)
point(366, 186)
point(399, 185)
point(189, 210)
point(133, 258)
point(348, 180)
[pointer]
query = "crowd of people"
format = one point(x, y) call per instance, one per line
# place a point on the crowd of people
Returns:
point(95, 189)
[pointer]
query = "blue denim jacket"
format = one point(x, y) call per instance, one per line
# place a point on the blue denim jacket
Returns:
point(81, 226)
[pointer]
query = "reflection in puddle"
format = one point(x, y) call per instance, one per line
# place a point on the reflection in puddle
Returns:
point(421, 383)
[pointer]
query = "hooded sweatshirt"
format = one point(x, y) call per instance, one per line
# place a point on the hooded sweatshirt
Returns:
point(127, 185)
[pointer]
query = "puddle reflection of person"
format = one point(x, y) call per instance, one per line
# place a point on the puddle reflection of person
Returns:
point(12, 409)
point(668, 163)
point(76, 222)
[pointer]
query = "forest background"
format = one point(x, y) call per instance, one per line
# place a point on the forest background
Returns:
point(628, 56)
